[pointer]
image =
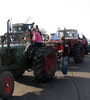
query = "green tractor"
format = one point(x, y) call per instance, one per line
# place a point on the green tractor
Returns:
point(14, 60)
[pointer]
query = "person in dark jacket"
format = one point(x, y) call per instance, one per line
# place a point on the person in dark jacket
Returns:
point(64, 49)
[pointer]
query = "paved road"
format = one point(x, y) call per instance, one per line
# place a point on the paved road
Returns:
point(77, 87)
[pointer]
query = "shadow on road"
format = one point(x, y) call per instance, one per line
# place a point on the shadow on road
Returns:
point(31, 81)
point(74, 88)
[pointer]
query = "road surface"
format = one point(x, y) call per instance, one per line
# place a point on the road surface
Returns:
point(76, 87)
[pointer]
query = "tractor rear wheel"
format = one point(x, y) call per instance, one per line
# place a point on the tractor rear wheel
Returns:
point(78, 53)
point(6, 84)
point(44, 64)
point(86, 49)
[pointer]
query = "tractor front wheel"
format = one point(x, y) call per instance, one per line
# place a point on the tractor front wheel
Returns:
point(44, 64)
point(6, 84)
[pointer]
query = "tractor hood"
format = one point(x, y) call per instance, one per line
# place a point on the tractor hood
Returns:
point(52, 42)
point(13, 46)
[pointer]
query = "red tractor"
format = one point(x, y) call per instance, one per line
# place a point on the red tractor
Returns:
point(77, 50)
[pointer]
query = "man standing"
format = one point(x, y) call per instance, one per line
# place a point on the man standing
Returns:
point(64, 56)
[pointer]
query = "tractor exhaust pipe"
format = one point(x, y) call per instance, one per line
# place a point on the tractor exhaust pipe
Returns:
point(8, 37)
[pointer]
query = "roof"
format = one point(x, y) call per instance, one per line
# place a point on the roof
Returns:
point(68, 30)
point(20, 24)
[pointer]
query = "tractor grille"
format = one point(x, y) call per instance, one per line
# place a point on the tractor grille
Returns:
point(50, 44)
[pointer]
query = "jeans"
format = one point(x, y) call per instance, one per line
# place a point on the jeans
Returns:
point(64, 64)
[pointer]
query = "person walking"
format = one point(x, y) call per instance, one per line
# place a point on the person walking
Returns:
point(64, 50)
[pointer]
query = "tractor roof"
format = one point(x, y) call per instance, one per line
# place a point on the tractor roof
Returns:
point(20, 24)
point(73, 30)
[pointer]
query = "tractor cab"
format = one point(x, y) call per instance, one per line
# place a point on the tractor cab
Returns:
point(18, 30)
point(21, 27)
point(71, 37)
point(68, 34)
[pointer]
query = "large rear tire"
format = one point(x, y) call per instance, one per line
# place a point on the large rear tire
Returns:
point(6, 84)
point(44, 64)
point(78, 53)
point(86, 49)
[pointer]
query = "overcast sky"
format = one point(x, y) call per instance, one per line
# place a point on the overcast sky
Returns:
point(48, 14)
